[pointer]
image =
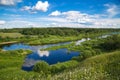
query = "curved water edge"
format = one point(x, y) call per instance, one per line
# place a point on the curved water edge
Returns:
point(51, 57)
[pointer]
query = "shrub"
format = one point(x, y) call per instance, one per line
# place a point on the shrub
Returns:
point(56, 68)
point(41, 67)
point(111, 43)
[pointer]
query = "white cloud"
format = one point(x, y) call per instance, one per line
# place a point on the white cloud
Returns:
point(78, 19)
point(55, 13)
point(15, 24)
point(73, 16)
point(41, 6)
point(61, 22)
point(112, 10)
point(9, 2)
point(55, 19)
point(25, 8)
point(29, 9)
point(2, 22)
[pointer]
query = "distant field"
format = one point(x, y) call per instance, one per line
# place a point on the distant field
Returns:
point(11, 35)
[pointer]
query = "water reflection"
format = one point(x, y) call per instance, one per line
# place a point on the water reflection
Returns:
point(28, 64)
point(80, 41)
point(43, 53)
point(51, 57)
point(33, 48)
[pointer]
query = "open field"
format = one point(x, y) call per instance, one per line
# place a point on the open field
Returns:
point(11, 35)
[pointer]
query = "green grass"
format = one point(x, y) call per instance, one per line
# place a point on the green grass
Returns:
point(11, 35)
point(53, 40)
point(68, 46)
point(12, 58)
point(50, 39)
point(100, 67)
point(96, 66)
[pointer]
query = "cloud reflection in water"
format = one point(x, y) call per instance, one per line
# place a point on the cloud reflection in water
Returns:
point(43, 53)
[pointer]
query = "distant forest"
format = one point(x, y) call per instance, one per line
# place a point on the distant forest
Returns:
point(57, 31)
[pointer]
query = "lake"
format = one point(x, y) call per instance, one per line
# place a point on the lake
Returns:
point(51, 57)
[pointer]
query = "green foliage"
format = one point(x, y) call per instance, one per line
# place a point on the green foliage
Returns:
point(11, 35)
point(100, 67)
point(59, 67)
point(37, 36)
point(63, 31)
point(44, 68)
point(111, 43)
point(41, 67)
point(12, 58)
point(92, 64)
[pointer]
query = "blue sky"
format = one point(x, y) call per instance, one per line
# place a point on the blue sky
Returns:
point(60, 13)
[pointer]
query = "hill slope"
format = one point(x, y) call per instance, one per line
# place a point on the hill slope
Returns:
point(100, 67)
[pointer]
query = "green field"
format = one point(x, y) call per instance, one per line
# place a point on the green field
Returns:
point(40, 36)
point(11, 35)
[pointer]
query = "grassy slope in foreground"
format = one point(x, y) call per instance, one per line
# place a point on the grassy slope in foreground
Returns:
point(101, 67)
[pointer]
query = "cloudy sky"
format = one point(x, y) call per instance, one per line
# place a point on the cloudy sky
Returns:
point(60, 13)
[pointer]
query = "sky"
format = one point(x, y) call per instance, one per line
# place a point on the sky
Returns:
point(60, 13)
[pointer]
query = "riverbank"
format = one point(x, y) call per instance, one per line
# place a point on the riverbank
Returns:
point(7, 43)
point(50, 39)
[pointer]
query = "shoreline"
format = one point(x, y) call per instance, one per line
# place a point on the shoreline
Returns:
point(10, 42)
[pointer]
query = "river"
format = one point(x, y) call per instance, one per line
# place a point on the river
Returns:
point(51, 56)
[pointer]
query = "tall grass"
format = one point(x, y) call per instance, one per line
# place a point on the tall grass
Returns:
point(102, 67)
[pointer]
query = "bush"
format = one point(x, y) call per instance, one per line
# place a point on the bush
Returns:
point(111, 43)
point(59, 67)
point(41, 67)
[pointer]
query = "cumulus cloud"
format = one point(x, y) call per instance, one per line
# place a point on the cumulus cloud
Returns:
point(9, 2)
point(29, 9)
point(73, 16)
point(112, 10)
point(78, 19)
point(2, 22)
point(55, 13)
point(41, 6)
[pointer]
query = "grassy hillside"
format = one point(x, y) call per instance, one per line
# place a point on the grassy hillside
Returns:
point(100, 67)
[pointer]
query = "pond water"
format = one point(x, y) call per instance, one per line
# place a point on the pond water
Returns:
point(51, 57)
